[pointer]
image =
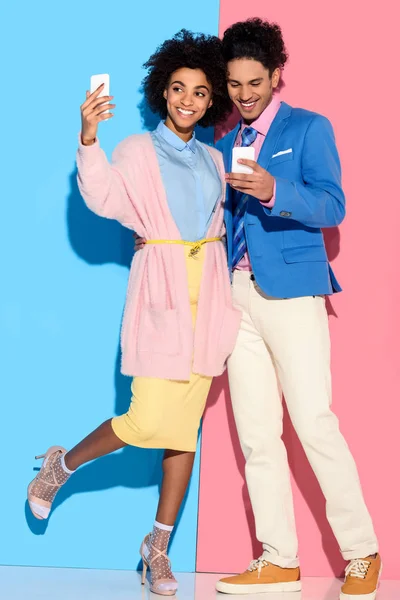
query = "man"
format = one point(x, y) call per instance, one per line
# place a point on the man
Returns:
point(280, 277)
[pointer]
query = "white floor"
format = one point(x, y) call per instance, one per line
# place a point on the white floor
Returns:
point(29, 583)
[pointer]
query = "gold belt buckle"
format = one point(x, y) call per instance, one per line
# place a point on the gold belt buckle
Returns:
point(194, 251)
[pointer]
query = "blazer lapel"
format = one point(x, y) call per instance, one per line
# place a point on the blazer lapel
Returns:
point(273, 135)
point(227, 147)
point(228, 144)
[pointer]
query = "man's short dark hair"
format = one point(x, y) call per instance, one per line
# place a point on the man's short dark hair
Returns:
point(194, 51)
point(258, 40)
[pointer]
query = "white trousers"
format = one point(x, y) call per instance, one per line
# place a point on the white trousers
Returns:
point(284, 346)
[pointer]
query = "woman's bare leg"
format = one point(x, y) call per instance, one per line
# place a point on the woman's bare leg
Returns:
point(98, 443)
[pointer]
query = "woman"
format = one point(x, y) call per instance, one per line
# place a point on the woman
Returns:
point(179, 325)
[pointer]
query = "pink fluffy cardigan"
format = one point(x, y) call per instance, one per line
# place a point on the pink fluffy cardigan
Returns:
point(157, 336)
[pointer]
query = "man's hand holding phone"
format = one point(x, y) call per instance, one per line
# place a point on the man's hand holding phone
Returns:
point(256, 181)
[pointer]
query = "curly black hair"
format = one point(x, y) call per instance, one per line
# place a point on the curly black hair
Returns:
point(194, 51)
point(258, 40)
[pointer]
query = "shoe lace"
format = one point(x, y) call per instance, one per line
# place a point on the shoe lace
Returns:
point(257, 565)
point(358, 568)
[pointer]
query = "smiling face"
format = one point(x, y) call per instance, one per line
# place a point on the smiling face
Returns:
point(188, 96)
point(250, 87)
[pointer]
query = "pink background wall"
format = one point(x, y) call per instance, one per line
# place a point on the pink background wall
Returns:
point(342, 64)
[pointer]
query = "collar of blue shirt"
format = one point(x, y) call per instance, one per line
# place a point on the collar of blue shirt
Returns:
point(174, 140)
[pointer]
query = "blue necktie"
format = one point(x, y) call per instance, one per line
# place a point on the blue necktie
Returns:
point(249, 135)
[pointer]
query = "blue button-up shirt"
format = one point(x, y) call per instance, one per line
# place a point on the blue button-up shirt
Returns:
point(192, 183)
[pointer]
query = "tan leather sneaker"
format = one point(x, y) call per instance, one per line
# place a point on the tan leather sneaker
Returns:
point(362, 579)
point(261, 577)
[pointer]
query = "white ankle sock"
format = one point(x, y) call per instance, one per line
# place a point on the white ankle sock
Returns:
point(163, 527)
point(64, 467)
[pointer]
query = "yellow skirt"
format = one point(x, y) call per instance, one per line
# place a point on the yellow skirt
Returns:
point(164, 413)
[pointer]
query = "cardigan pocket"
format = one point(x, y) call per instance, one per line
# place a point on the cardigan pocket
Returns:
point(158, 331)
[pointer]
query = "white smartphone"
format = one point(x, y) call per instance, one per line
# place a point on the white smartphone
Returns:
point(97, 80)
point(242, 152)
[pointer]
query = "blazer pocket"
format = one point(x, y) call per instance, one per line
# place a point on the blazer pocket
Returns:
point(304, 254)
point(159, 331)
point(281, 158)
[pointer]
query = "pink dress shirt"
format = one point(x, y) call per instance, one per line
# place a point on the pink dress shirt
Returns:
point(261, 125)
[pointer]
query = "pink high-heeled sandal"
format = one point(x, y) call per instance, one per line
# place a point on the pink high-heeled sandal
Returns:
point(162, 586)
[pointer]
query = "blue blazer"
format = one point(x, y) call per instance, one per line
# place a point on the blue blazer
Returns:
point(285, 243)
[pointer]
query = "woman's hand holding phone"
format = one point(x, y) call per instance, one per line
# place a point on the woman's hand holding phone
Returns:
point(94, 110)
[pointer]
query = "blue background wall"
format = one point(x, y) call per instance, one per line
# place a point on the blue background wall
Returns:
point(64, 274)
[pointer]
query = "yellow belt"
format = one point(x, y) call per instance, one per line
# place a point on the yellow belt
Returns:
point(196, 246)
